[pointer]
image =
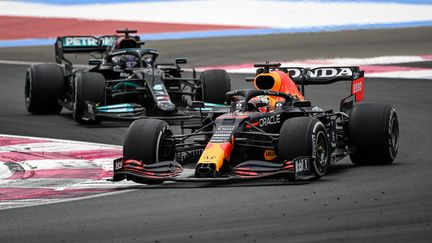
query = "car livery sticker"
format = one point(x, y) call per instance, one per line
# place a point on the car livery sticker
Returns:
point(271, 120)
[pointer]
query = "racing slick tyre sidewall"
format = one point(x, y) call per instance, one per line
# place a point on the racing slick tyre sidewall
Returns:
point(44, 88)
point(144, 140)
point(305, 136)
point(215, 84)
point(89, 86)
point(373, 130)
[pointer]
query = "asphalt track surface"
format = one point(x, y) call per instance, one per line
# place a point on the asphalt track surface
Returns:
point(351, 203)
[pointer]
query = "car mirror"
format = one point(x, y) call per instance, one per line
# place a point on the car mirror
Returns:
point(304, 103)
point(180, 60)
point(198, 104)
point(250, 79)
point(95, 62)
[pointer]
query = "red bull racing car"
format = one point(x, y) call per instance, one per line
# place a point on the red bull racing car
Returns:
point(271, 131)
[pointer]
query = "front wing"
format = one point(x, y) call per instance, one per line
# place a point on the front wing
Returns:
point(125, 111)
point(296, 169)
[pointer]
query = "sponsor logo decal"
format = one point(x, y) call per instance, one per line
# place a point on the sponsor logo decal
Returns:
point(80, 41)
point(323, 72)
point(222, 134)
point(88, 41)
point(118, 165)
point(269, 155)
point(302, 165)
point(271, 120)
point(210, 157)
point(357, 89)
point(158, 87)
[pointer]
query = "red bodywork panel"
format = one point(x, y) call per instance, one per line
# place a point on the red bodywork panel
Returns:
point(357, 89)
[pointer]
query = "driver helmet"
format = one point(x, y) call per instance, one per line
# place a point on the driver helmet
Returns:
point(260, 102)
point(122, 62)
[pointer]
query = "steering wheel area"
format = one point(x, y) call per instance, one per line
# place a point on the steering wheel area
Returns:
point(241, 97)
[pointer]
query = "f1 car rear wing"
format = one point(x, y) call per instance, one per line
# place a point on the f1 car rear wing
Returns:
point(81, 44)
point(328, 75)
point(320, 76)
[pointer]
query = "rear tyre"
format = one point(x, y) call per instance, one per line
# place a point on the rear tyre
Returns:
point(305, 136)
point(89, 86)
point(215, 84)
point(44, 88)
point(145, 141)
point(373, 130)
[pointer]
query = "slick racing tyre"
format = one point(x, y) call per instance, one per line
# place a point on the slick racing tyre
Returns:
point(305, 136)
point(215, 84)
point(145, 141)
point(89, 86)
point(373, 130)
point(44, 88)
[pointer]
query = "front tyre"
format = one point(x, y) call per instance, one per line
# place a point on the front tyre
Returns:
point(89, 86)
point(145, 141)
point(305, 136)
point(214, 85)
point(373, 131)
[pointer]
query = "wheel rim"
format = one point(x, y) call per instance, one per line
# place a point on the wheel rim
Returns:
point(158, 143)
point(161, 153)
point(321, 153)
point(393, 136)
point(27, 90)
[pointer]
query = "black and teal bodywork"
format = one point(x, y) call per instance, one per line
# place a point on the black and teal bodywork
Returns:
point(135, 85)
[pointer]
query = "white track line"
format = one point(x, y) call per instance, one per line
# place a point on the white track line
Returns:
point(63, 140)
point(23, 63)
point(38, 202)
point(420, 74)
point(380, 60)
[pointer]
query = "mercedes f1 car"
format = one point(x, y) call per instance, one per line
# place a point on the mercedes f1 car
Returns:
point(124, 82)
point(271, 131)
